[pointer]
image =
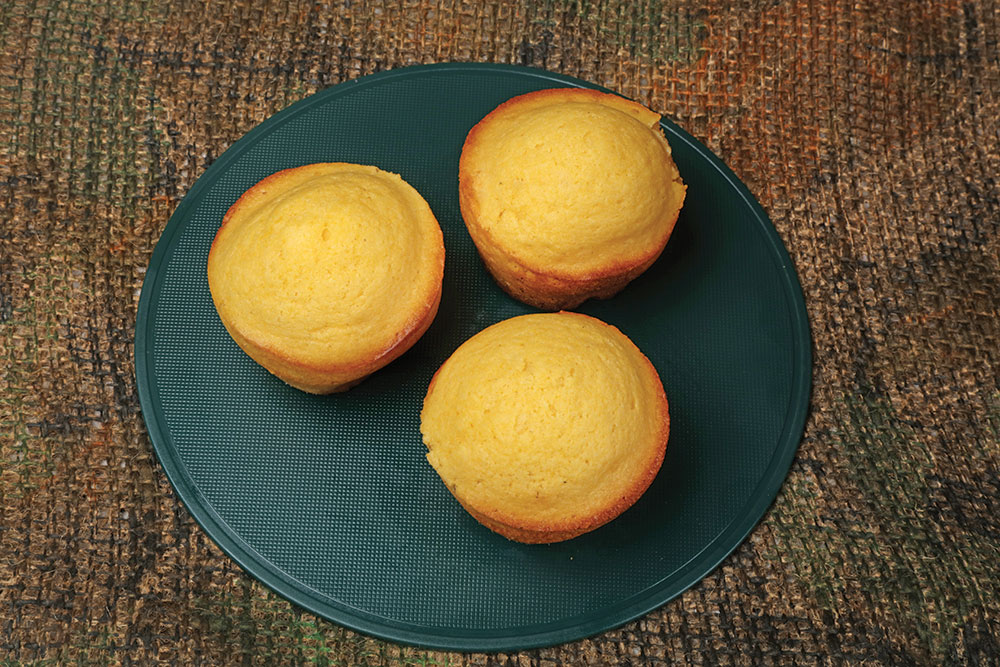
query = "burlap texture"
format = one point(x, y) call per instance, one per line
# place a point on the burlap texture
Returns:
point(868, 130)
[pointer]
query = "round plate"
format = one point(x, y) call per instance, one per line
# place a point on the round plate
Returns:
point(329, 499)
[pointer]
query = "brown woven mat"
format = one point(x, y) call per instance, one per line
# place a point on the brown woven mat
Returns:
point(868, 130)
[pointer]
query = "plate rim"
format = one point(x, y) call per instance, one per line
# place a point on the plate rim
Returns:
point(568, 629)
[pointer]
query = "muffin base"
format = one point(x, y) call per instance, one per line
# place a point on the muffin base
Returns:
point(548, 290)
point(332, 379)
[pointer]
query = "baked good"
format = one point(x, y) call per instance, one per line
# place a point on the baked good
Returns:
point(325, 273)
point(568, 194)
point(546, 426)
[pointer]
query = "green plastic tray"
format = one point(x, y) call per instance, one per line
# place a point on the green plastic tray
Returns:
point(329, 500)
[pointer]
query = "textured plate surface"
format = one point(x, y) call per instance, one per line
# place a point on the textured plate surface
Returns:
point(330, 501)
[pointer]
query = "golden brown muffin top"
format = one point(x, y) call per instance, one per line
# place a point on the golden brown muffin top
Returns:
point(327, 263)
point(546, 421)
point(571, 180)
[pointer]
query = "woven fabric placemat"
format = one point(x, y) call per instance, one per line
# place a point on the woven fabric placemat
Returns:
point(868, 130)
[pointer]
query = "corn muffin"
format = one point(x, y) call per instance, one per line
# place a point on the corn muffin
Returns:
point(546, 426)
point(325, 273)
point(568, 194)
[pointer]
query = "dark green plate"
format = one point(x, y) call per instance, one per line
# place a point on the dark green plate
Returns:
point(329, 500)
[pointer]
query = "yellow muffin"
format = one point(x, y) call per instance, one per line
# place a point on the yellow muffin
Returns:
point(327, 272)
point(546, 426)
point(568, 194)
